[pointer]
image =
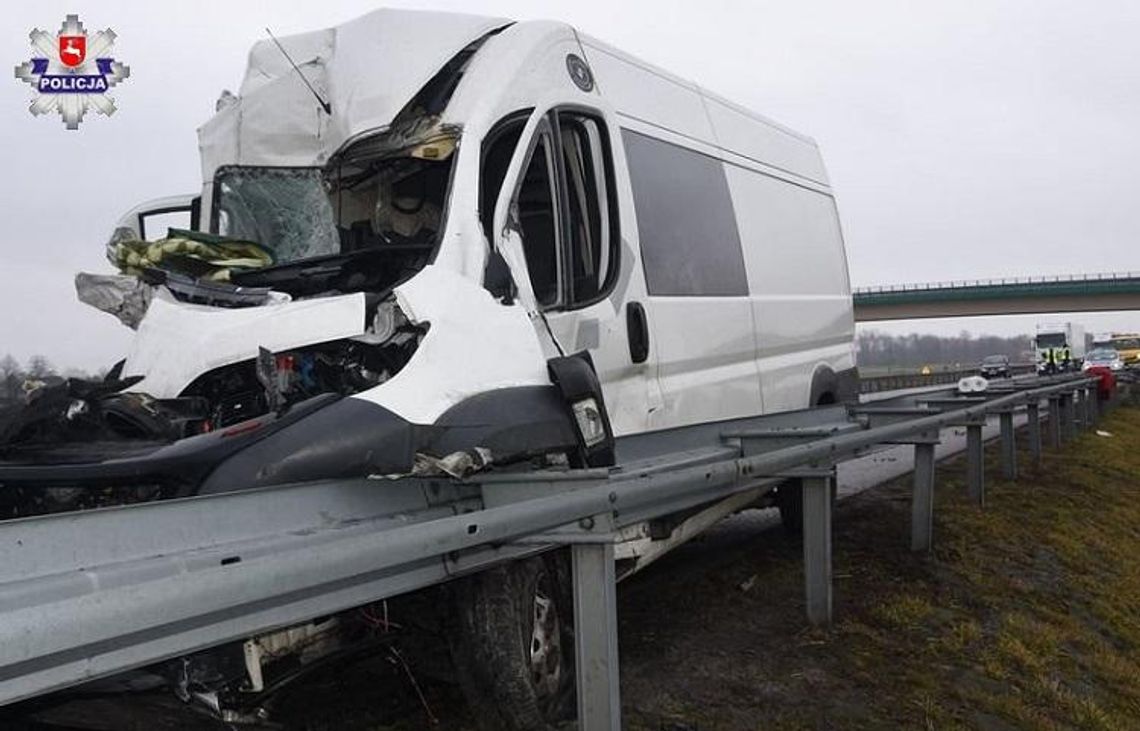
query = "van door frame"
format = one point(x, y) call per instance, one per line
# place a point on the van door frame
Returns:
point(629, 402)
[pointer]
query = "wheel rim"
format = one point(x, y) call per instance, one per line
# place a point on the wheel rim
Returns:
point(545, 649)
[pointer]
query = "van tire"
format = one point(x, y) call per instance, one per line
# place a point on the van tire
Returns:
point(505, 688)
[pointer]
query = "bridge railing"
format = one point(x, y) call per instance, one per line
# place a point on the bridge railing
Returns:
point(997, 282)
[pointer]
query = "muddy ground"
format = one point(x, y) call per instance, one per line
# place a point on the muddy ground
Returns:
point(1025, 615)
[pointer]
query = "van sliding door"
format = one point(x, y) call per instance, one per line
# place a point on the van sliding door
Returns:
point(698, 304)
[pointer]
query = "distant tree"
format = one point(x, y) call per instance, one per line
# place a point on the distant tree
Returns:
point(11, 377)
point(39, 367)
point(912, 350)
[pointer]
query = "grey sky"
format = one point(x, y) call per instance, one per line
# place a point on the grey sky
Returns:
point(964, 139)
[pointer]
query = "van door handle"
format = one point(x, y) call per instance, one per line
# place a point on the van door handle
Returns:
point(637, 327)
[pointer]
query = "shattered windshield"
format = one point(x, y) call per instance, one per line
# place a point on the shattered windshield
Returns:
point(1051, 340)
point(394, 201)
point(286, 210)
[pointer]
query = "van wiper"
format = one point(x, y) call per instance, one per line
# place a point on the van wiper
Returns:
point(205, 292)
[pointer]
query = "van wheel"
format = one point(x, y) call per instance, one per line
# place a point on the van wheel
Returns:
point(513, 646)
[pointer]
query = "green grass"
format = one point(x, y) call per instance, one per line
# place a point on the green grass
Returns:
point(1025, 616)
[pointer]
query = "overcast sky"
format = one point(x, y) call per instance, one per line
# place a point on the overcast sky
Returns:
point(963, 139)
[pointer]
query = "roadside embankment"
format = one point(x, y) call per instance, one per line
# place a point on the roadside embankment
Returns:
point(1026, 615)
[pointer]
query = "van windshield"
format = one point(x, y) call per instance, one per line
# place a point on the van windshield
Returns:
point(302, 213)
point(365, 222)
point(1050, 340)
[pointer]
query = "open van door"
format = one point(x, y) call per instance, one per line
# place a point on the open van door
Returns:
point(556, 224)
point(151, 220)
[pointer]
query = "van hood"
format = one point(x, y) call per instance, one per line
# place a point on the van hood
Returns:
point(178, 341)
point(367, 70)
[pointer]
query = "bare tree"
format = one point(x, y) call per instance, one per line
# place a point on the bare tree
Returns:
point(10, 378)
point(880, 349)
point(39, 367)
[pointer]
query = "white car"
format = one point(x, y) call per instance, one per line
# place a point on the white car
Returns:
point(1105, 357)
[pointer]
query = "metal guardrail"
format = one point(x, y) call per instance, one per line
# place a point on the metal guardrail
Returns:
point(89, 594)
point(898, 381)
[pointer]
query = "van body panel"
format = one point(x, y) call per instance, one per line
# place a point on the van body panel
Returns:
point(474, 345)
point(763, 142)
point(178, 341)
point(642, 92)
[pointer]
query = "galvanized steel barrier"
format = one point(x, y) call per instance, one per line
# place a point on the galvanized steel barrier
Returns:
point(88, 594)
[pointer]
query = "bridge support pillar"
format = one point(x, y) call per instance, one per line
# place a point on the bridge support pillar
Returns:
point(975, 464)
point(817, 547)
point(595, 636)
point(1054, 422)
point(1008, 446)
point(1033, 413)
point(922, 502)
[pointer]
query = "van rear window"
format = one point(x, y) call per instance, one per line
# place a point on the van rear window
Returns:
point(690, 244)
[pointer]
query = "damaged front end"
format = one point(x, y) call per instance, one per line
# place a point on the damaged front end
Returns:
point(80, 444)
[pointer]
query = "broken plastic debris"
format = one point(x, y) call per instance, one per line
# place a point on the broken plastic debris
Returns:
point(120, 295)
point(1102, 433)
point(457, 464)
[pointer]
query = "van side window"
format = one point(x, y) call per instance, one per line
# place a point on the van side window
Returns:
point(497, 152)
point(539, 221)
point(690, 244)
point(565, 205)
point(590, 234)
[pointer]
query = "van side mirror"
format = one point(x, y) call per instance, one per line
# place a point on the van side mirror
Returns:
point(497, 279)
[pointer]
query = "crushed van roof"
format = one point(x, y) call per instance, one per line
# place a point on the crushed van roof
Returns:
point(367, 69)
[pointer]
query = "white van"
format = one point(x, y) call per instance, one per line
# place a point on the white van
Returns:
point(426, 233)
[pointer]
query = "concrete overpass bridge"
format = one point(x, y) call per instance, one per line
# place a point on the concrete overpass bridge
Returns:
point(1109, 292)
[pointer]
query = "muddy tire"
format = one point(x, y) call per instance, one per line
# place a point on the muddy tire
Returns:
point(513, 647)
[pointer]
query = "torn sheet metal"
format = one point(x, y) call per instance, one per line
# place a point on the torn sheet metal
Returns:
point(457, 464)
point(367, 69)
point(474, 345)
point(125, 297)
point(178, 341)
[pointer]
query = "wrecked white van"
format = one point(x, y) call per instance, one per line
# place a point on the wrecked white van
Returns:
point(429, 234)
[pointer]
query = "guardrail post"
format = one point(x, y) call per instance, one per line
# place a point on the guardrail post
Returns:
point(1068, 420)
point(975, 464)
point(595, 636)
point(1055, 421)
point(922, 502)
point(817, 547)
point(1094, 405)
point(1008, 446)
point(1080, 406)
point(1033, 413)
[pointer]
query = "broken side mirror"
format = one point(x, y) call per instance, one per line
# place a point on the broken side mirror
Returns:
point(497, 279)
